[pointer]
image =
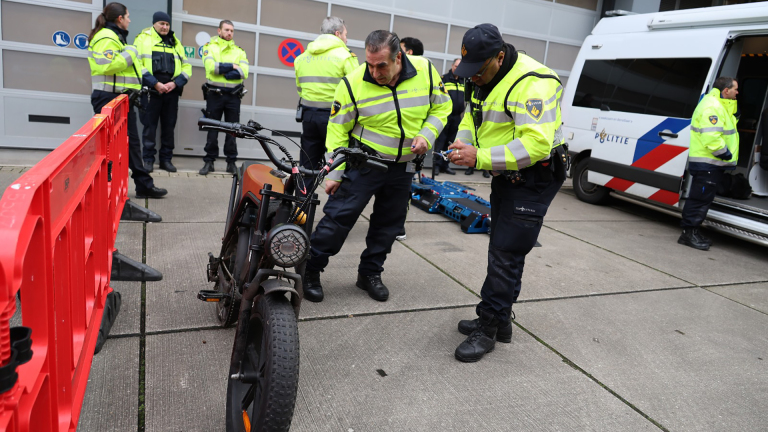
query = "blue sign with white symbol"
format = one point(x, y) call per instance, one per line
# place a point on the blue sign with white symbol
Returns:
point(200, 51)
point(81, 41)
point(61, 38)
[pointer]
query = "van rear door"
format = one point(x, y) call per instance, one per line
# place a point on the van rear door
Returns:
point(637, 92)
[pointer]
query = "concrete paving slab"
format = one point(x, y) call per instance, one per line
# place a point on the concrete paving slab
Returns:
point(128, 321)
point(754, 296)
point(655, 244)
point(397, 372)
point(6, 179)
point(186, 380)
point(180, 252)
point(413, 283)
point(562, 267)
point(690, 359)
point(111, 401)
point(193, 199)
point(129, 240)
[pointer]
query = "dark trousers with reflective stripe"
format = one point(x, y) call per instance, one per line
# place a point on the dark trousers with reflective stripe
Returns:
point(141, 177)
point(700, 196)
point(229, 105)
point(517, 214)
point(314, 125)
point(446, 136)
point(390, 190)
point(160, 109)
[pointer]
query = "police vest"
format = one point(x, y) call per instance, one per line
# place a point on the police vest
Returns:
point(387, 119)
point(518, 124)
point(113, 64)
point(455, 88)
point(319, 70)
point(153, 52)
point(713, 132)
point(218, 56)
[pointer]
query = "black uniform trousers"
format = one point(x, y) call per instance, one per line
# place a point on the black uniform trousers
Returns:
point(700, 196)
point(162, 109)
point(140, 176)
point(314, 126)
point(447, 136)
point(517, 214)
point(227, 104)
point(390, 190)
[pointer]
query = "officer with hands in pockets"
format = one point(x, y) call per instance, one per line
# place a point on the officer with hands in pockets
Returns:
point(512, 129)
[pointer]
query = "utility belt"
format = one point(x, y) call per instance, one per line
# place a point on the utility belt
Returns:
point(239, 90)
point(557, 165)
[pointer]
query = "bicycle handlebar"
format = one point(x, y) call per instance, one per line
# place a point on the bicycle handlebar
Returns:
point(244, 131)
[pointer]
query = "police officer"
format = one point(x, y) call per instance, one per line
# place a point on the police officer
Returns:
point(512, 128)
point(226, 66)
point(116, 69)
point(318, 72)
point(455, 87)
point(166, 72)
point(394, 106)
point(714, 149)
point(412, 46)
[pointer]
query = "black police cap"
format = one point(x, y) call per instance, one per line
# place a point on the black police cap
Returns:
point(479, 44)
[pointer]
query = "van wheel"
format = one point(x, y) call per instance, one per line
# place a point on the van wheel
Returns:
point(586, 191)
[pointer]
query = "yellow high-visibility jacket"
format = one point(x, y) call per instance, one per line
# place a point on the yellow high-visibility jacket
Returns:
point(149, 42)
point(319, 70)
point(113, 63)
point(219, 56)
point(714, 139)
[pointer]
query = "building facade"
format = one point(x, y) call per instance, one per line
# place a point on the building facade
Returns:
point(45, 80)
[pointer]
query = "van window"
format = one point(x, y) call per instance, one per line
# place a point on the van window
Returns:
point(663, 87)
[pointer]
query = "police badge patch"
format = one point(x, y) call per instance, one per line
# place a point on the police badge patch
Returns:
point(109, 54)
point(535, 108)
point(336, 107)
point(442, 88)
point(713, 119)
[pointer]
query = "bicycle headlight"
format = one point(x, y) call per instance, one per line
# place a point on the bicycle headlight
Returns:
point(287, 245)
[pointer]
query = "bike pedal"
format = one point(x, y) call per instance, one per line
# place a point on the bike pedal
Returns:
point(211, 296)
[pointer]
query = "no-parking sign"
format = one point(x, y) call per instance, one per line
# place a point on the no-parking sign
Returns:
point(288, 50)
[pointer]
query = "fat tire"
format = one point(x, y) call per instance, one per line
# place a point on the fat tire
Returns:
point(274, 318)
point(589, 192)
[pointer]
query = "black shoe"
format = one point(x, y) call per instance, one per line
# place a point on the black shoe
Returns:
point(469, 171)
point(503, 332)
point(689, 239)
point(167, 166)
point(372, 283)
point(207, 168)
point(149, 166)
point(448, 170)
point(480, 342)
point(231, 167)
point(701, 236)
point(155, 192)
point(486, 174)
point(313, 290)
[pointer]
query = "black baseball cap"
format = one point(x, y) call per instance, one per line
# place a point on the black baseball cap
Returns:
point(479, 44)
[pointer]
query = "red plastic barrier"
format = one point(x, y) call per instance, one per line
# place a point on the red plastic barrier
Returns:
point(58, 224)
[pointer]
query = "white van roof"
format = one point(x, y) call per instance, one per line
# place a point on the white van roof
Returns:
point(717, 16)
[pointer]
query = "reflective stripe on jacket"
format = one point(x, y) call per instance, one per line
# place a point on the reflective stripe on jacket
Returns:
point(320, 68)
point(387, 119)
point(528, 136)
point(112, 63)
point(219, 56)
point(714, 139)
point(149, 42)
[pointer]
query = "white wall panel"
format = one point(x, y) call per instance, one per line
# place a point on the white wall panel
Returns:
point(572, 25)
point(529, 17)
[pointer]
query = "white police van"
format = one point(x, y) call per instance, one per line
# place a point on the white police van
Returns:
point(628, 103)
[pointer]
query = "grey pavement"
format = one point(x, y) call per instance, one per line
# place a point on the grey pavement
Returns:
point(618, 328)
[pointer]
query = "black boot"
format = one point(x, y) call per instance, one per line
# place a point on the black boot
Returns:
point(167, 166)
point(149, 166)
point(689, 239)
point(448, 170)
point(503, 332)
point(231, 167)
point(375, 287)
point(697, 233)
point(469, 171)
point(207, 168)
point(480, 342)
point(313, 290)
point(486, 174)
